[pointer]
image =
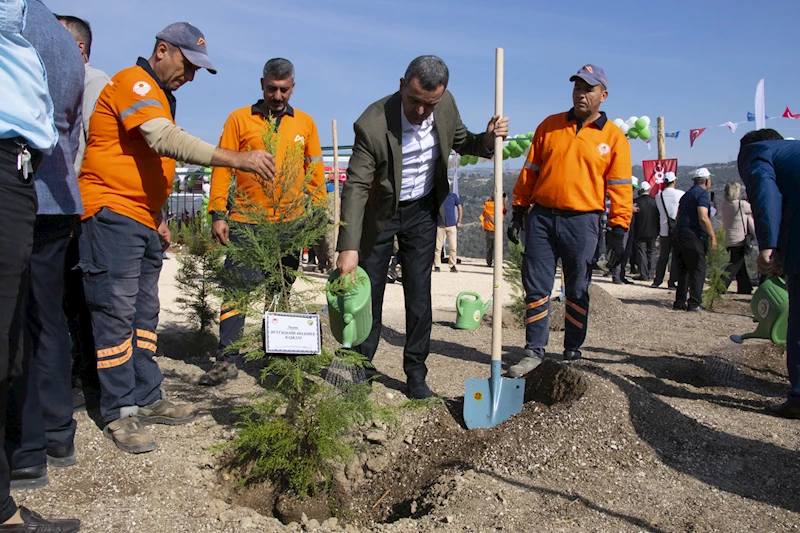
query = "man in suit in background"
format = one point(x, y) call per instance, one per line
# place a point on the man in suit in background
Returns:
point(396, 184)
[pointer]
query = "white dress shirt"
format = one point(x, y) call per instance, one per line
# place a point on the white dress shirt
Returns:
point(420, 153)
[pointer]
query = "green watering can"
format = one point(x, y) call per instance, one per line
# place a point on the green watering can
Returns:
point(470, 310)
point(770, 307)
point(350, 310)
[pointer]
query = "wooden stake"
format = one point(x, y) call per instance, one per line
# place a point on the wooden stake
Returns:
point(662, 149)
point(335, 193)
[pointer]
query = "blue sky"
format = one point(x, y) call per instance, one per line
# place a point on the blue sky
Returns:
point(696, 63)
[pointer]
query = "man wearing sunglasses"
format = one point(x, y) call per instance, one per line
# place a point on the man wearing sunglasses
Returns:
point(126, 177)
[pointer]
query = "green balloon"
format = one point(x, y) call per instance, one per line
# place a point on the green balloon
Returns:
point(524, 144)
point(512, 145)
point(641, 124)
point(530, 135)
point(176, 186)
point(190, 182)
point(464, 161)
point(644, 133)
point(506, 152)
point(517, 151)
point(633, 133)
point(473, 160)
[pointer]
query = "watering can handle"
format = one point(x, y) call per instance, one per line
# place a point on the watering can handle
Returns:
point(348, 331)
point(465, 293)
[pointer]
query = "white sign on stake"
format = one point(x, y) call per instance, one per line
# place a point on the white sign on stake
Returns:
point(291, 333)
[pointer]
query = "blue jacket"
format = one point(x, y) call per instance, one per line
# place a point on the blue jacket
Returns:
point(55, 180)
point(771, 172)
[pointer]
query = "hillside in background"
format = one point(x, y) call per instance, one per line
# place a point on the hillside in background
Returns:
point(475, 186)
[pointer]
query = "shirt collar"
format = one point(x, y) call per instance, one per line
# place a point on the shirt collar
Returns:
point(142, 62)
point(256, 110)
point(600, 122)
point(408, 127)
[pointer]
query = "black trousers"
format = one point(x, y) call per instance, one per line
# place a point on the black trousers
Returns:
point(16, 242)
point(414, 224)
point(737, 269)
point(645, 257)
point(40, 406)
point(666, 250)
point(691, 261)
point(79, 321)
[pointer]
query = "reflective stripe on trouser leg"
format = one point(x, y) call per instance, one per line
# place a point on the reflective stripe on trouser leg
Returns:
point(577, 240)
point(538, 276)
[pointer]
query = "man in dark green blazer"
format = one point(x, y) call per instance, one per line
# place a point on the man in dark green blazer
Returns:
point(396, 184)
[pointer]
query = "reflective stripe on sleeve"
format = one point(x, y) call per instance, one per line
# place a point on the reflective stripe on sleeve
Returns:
point(314, 159)
point(531, 166)
point(620, 182)
point(139, 105)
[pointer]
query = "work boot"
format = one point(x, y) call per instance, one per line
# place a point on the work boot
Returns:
point(221, 371)
point(572, 355)
point(418, 389)
point(33, 477)
point(437, 269)
point(616, 281)
point(453, 269)
point(527, 365)
point(129, 435)
point(784, 410)
point(33, 522)
point(61, 456)
point(166, 412)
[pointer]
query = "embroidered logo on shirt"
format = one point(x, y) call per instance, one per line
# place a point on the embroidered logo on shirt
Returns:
point(603, 148)
point(300, 139)
point(141, 88)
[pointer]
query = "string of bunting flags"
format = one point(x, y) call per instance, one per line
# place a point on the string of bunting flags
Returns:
point(694, 133)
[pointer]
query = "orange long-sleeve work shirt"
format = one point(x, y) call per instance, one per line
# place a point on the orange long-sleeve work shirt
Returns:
point(243, 131)
point(573, 169)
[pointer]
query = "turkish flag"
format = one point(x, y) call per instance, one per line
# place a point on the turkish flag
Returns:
point(694, 134)
point(655, 170)
point(789, 114)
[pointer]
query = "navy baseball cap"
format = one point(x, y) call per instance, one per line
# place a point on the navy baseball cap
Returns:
point(591, 74)
point(191, 42)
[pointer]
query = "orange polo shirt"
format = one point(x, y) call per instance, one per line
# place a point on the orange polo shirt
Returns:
point(242, 132)
point(573, 169)
point(120, 171)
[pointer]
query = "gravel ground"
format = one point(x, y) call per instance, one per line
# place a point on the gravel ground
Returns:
point(659, 428)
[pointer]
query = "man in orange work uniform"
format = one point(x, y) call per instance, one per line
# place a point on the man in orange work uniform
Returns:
point(576, 157)
point(487, 221)
point(126, 177)
point(242, 131)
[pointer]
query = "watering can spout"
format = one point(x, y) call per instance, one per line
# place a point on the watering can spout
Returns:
point(486, 306)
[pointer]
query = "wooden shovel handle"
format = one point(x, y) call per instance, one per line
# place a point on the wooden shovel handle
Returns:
point(497, 294)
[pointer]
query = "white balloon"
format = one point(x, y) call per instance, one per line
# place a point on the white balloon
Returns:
point(206, 188)
point(182, 185)
point(206, 178)
point(625, 128)
point(631, 122)
point(619, 122)
point(646, 120)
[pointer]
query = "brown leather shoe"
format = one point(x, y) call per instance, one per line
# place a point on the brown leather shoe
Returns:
point(166, 412)
point(129, 435)
point(35, 523)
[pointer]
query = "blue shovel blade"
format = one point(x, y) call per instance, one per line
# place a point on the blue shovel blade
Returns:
point(488, 402)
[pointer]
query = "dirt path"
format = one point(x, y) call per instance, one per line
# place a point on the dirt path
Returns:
point(667, 434)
